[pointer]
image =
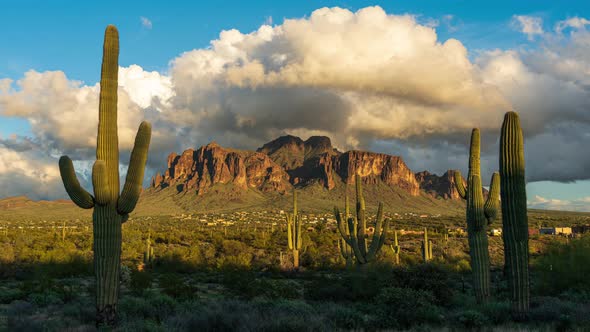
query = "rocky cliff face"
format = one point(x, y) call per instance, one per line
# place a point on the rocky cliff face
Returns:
point(211, 164)
point(438, 186)
point(289, 160)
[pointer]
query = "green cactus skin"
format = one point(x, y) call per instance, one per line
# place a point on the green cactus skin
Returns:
point(514, 212)
point(294, 232)
point(426, 247)
point(356, 237)
point(479, 216)
point(110, 208)
point(395, 248)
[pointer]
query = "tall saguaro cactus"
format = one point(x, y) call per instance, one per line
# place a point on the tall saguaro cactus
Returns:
point(294, 232)
point(479, 216)
point(514, 212)
point(356, 236)
point(111, 209)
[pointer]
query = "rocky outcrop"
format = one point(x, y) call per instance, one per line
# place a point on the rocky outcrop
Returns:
point(289, 160)
point(438, 186)
point(211, 164)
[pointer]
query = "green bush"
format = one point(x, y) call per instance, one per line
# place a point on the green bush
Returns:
point(471, 318)
point(140, 281)
point(404, 307)
point(565, 266)
point(176, 286)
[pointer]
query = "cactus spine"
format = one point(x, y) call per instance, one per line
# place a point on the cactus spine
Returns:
point(294, 232)
point(479, 216)
point(395, 248)
point(356, 236)
point(514, 212)
point(426, 247)
point(111, 209)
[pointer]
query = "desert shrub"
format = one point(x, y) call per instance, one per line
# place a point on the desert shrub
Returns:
point(82, 310)
point(403, 307)
point(471, 318)
point(153, 305)
point(344, 316)
point(564, 267)
point(496, 312)
point(427, 277)
point(140, 281)
point(176, 286)
point(249, 285)
point(8, 295)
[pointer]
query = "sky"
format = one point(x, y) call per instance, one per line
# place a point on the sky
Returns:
point(409, 78)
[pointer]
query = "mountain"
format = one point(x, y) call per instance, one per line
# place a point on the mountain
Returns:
point(225, 176)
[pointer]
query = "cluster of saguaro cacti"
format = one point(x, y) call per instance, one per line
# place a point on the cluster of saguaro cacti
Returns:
point(294, 232)
point(479, 216)
point(354, 228)
point(514, 212)
point(395, 248)
point(148, 255)
point(111, 209)
point(426, 247)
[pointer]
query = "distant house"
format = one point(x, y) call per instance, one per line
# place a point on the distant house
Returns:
point(563, 230)
point(533, 231)
point(547, 231)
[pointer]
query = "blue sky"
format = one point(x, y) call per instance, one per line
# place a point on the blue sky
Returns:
point(62, 36)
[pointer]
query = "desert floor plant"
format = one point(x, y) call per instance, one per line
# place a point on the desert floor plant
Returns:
point(514, 212)
point(479, 216)
point(294, 232)
point(356, 235)
point(111, 209)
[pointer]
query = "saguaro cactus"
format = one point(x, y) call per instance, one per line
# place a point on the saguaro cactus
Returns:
point(426, 247)
point(294, 232)
point(479, 216)
point(356, 236)
point(395, 248)
point(111, 209)
point(514, 212)
point(148, 255)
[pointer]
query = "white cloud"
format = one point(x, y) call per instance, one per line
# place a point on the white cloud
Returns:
point(580, 205)
point(146, 22)
point(573, 22)
point(529, 25)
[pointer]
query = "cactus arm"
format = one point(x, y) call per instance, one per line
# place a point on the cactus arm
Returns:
point(134, 179)
point(492, 204)
point(352, 226)
point(360, 216)
point(297, 238)
point(460, 185)
point(374, 247)
point(107, 144)
point(68, 175)
point(342, 226)
point(101, 187)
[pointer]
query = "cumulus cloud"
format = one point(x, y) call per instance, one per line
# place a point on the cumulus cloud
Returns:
point(368, 79)
point(580, 205)
point(529, 25)
point(146, 22)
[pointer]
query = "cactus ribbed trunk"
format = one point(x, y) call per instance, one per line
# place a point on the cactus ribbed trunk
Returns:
point(294, 240)
point(514, 212)
point(478, 216)
point(107, 257)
